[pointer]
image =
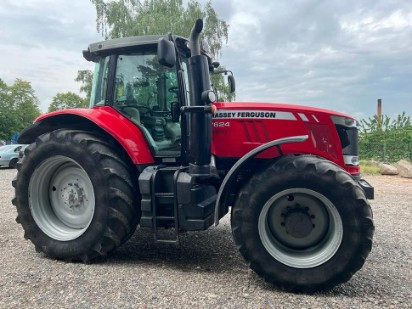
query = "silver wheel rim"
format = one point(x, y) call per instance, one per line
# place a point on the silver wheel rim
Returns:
point(61, 198)
point(300, 228)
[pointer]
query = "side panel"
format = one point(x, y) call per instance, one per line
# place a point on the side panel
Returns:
point(238, 129)
point(125, 132)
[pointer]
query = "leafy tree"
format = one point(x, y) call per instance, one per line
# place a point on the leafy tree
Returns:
point(123, 18)
point(18, 107)
point(85, 77)
point(67, 100)
point(25, 103)
point(7, 114)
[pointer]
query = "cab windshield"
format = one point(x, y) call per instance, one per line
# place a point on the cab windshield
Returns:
point(142, 82)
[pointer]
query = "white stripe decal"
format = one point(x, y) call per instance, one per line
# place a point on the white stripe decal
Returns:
point(253, 114)
point(314, 117)
point(303, 117)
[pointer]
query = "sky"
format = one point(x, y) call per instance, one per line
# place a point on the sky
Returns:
point(340, 55)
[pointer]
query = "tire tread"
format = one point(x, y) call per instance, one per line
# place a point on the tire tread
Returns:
point(124, 211)
point(300, 164)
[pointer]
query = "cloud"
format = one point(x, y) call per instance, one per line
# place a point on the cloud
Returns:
point(41, 42)
point(341, 55)
point(333, 54)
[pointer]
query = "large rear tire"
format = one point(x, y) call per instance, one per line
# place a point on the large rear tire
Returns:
point(303, 224)
point(76, 198)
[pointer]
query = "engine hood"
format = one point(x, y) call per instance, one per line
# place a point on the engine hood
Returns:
point(279, 107)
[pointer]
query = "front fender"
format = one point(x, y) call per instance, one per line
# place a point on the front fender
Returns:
point(231, 176)
point(104, 119)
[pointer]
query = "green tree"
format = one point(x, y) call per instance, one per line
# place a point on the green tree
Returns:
point(25, 103)
point(123, 18)
point(18, 107)
point(85, 77)
point(7, 113)
point(67, 100)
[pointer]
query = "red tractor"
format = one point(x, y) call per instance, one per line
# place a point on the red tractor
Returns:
point(156, 150)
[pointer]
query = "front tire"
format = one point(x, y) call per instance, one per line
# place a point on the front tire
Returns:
point(75, 196)
point(303, 224)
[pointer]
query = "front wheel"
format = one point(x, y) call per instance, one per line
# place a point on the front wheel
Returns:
point(303, 224)
point(75, 196)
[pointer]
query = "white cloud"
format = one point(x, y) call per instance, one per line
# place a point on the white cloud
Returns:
point(340, 55)
point(42, 42)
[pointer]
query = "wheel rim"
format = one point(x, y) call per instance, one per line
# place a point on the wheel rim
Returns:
point(300, 228)
point(61, 198)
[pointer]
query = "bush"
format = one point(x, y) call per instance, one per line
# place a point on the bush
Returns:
point(385, 139)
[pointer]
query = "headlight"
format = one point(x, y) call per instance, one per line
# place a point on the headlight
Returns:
point(351, 160)
point(344, 121)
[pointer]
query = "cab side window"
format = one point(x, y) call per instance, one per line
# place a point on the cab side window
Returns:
point(99, 86)
point(144, 91)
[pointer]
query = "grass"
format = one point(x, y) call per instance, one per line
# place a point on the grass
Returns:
point(369, 167)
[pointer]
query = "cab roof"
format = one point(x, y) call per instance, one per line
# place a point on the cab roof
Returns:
point(125, 42)
point(107, 47)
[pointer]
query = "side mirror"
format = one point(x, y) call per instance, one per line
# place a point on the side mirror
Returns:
point(175, 110)
point(166, 53)
point(232, 83)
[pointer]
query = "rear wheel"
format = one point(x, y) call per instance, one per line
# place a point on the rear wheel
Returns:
point(75, 196)
point(303, 224)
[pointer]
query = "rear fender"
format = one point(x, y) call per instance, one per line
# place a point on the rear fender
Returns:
point(102, 120)
point(231, 176)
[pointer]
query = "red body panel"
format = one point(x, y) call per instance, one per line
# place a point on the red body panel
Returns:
point(237, 129)
point(118, 126)
point(240, 127)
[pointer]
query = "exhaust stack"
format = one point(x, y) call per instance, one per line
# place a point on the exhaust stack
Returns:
point(200, 124)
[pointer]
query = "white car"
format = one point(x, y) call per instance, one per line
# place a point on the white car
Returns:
point(9, 154)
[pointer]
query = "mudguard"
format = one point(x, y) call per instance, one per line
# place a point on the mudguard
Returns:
point(102, 119)
point(233, 172)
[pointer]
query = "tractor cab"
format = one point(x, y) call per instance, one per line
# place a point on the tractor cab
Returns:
point(129, 77)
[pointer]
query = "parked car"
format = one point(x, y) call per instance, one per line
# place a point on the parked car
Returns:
point(9, 154)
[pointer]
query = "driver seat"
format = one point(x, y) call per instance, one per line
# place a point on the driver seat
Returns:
point(132, 112)
point(134, 115)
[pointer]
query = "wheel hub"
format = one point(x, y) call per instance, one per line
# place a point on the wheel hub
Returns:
point(62, 198)
point(300, 227)
point(298, 222)
point(73, 196)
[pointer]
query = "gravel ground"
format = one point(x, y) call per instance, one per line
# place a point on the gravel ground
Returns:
point(205, 270)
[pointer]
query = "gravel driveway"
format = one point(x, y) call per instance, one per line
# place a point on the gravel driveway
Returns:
point(205, 270)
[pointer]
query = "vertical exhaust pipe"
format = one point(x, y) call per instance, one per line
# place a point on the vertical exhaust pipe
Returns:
point(200, 141)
